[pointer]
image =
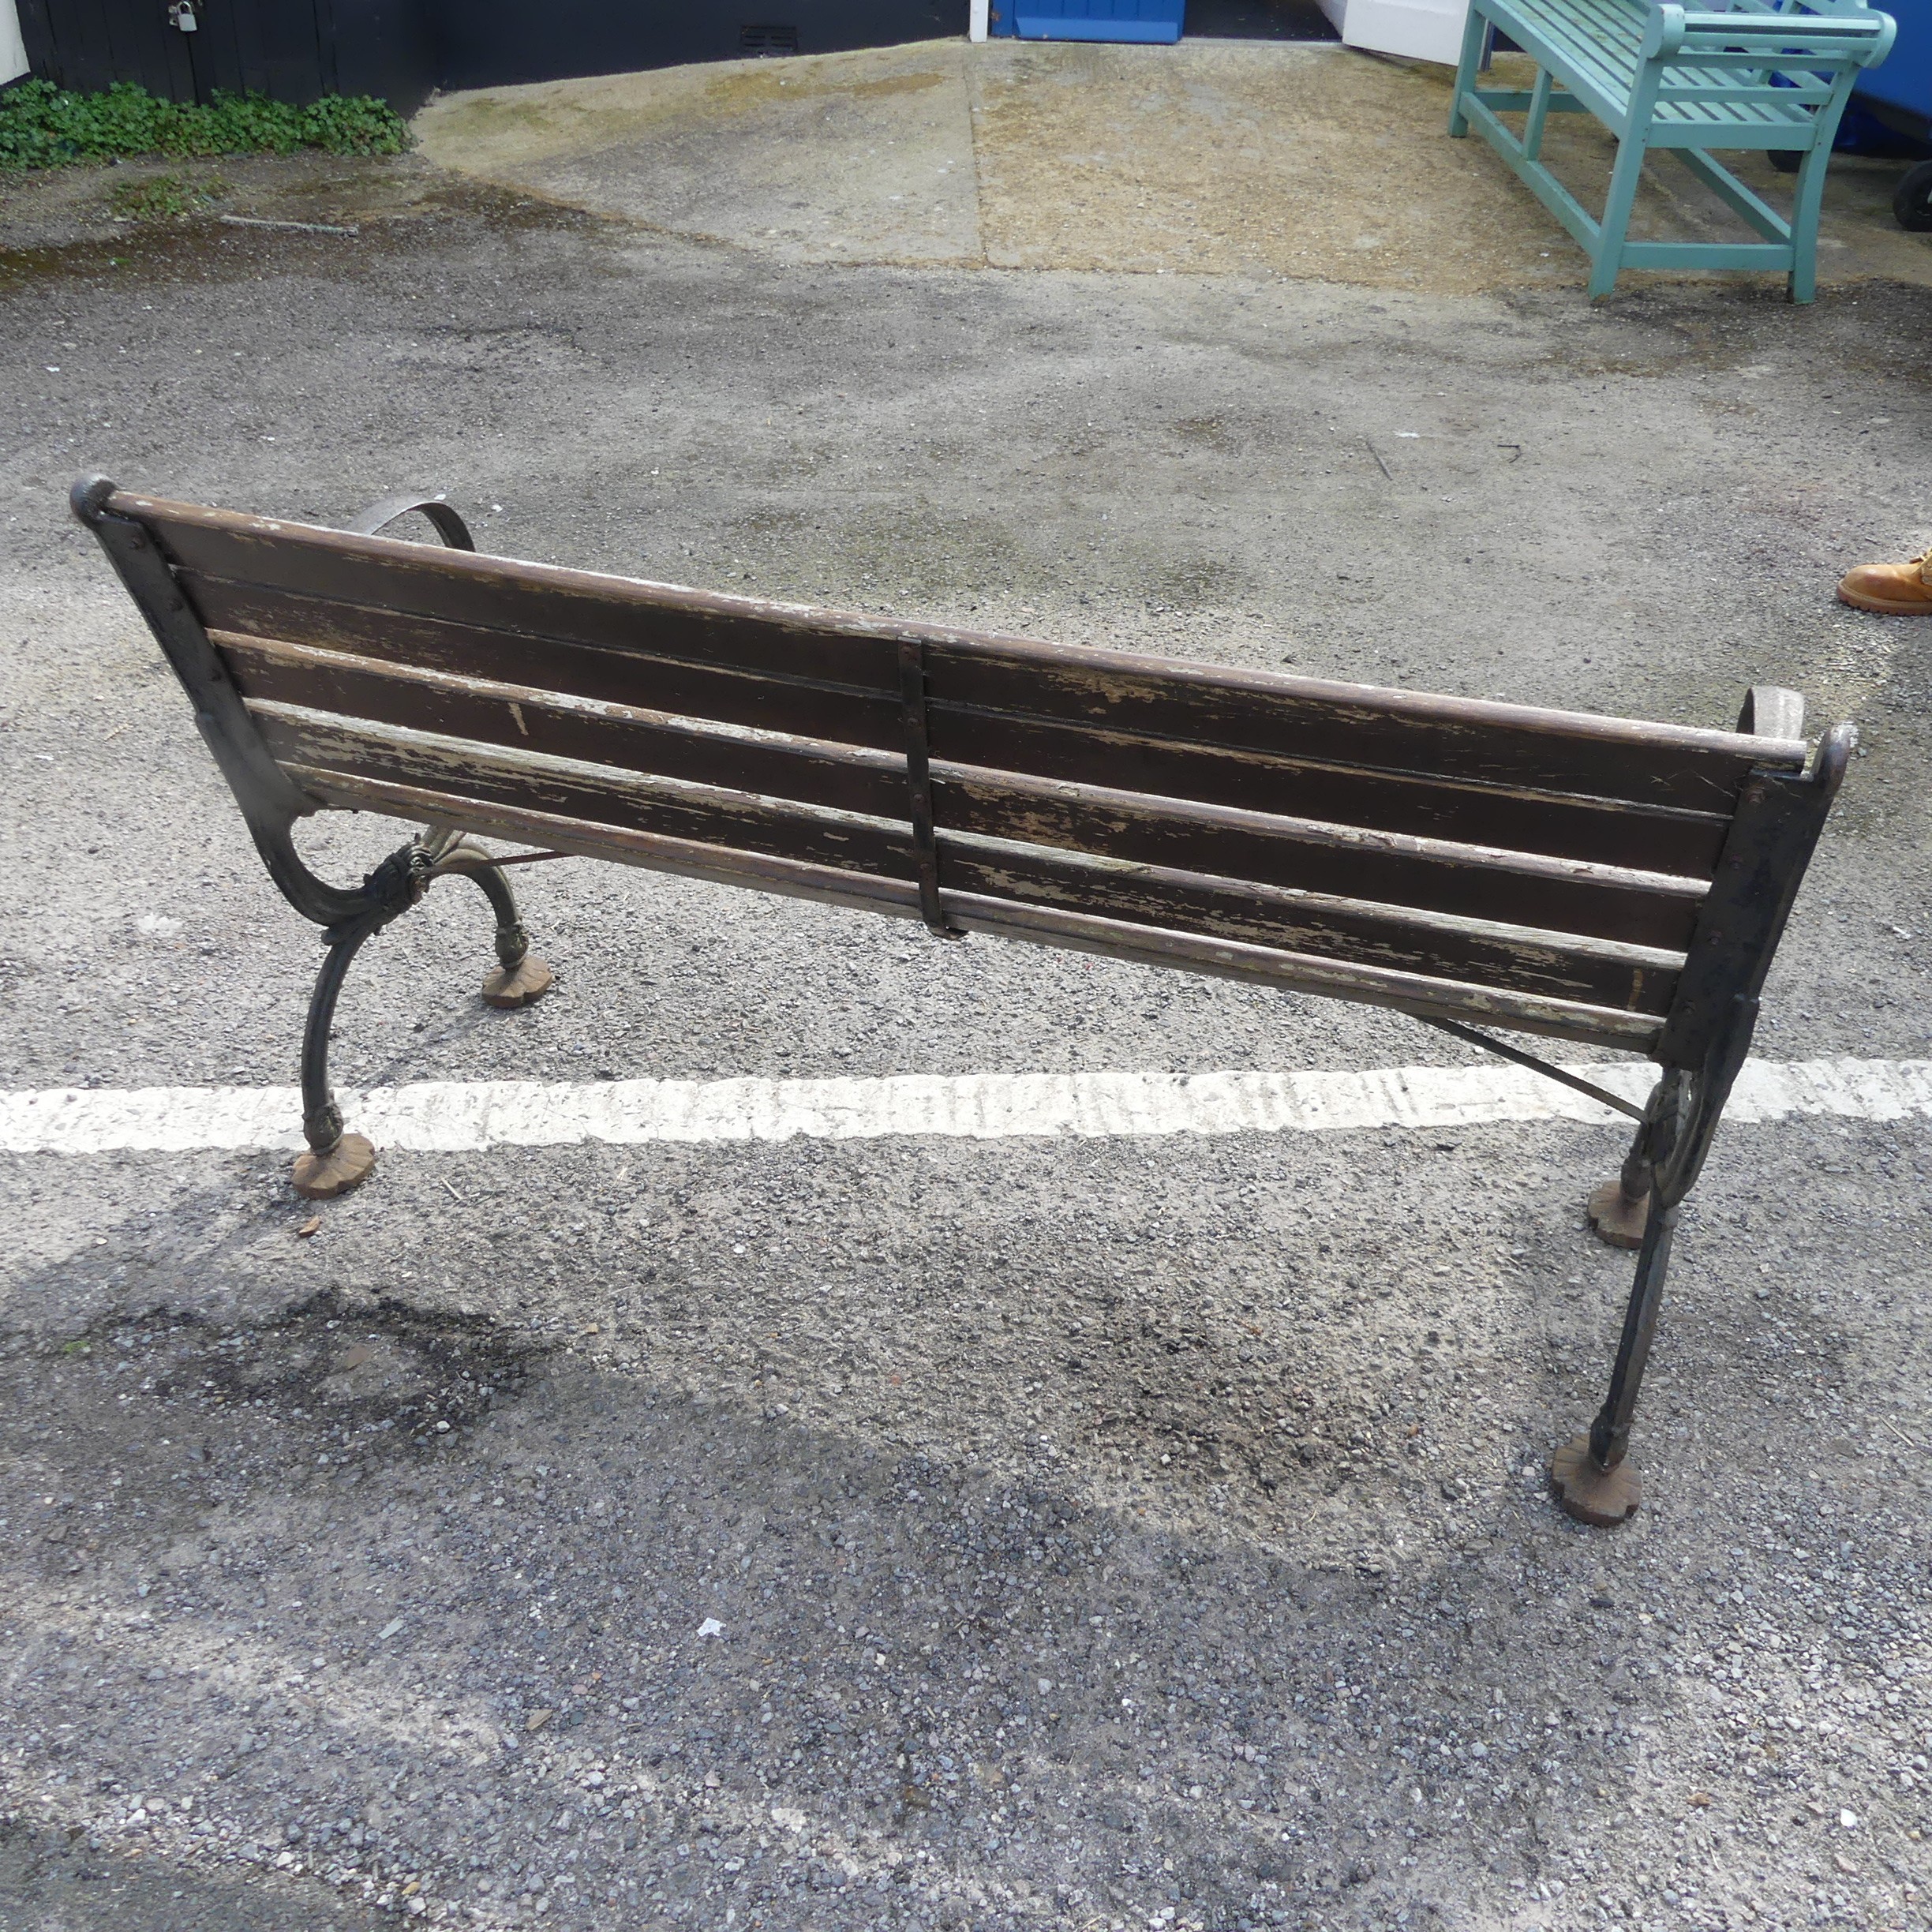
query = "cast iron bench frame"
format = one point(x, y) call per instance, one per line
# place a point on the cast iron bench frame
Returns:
point(1595, 879)
point(1770, 74)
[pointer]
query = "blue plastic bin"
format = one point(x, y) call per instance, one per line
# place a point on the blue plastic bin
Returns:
point(1155, 21)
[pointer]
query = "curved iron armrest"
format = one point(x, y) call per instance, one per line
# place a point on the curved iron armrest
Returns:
point(270, 801)
point(402, 878)
point(449, 526)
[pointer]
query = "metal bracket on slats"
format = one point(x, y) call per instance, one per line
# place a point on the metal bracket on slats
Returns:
point(918, 782)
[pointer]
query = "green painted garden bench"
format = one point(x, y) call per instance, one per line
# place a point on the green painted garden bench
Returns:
point(1771, 76)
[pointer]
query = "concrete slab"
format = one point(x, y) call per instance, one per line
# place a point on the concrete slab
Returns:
point(1212, 157)
point(835, 158)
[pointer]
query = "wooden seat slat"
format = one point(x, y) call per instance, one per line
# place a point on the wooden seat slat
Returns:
point(1181, 897)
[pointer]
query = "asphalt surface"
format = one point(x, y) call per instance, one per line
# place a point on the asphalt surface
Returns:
point(1092, 1534)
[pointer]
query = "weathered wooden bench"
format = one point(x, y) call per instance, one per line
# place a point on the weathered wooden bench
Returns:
point(1772, 74)
point(1587, 878)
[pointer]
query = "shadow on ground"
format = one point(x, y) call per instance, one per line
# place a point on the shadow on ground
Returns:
point(372, 1603)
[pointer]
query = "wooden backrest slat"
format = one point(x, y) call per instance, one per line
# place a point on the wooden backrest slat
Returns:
point(810, 707)
point(1557, 896)
point(1553, 896)
point(1552, 856)
point(1178, 901)
point(1255, 711)
point(1675, 839)
point(1530, 1013)
point(530, 599)
point(844, 841)
point(1652, 838)
point(1168, 898)
point(1356, 725)
point(847, 778)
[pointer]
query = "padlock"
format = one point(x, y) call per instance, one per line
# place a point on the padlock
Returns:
point(182, 16)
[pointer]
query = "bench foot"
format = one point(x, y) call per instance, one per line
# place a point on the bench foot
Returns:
point(1601, 1497)
point(520, 979)
point(322, 1174)
point(1617, 1219)
point(520, 985)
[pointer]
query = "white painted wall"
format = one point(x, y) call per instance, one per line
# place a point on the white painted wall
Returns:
point(1430, 30)
point(13, 52)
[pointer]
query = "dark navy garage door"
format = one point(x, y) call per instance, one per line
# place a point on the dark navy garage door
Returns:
point(497, 43)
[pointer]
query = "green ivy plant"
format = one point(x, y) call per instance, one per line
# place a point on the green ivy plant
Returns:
point(41, 125)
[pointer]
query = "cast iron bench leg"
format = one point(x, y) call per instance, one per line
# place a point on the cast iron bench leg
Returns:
point(521, 978)
point(1620, 1209)
point(335, 1161)
point(1594, 1479)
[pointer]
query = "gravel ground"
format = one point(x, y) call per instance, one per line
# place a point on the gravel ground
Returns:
point(911, 1533)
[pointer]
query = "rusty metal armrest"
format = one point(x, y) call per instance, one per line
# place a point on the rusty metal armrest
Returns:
point(437, 509)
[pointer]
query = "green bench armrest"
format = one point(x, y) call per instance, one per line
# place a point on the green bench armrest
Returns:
point(1859, 35)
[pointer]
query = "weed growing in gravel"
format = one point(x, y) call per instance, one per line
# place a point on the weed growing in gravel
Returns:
point(161, 196)
point(41, 125)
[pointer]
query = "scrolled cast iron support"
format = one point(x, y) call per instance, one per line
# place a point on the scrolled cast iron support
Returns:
point(1705, 1037)
point(270, 803)
point(336, 1161)
point(449, 525)
point(521, 977)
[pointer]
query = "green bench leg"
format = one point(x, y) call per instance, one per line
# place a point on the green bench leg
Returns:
point(1475, 27)
point(1539, 113)
point(1802, 284)
point(1609, 253)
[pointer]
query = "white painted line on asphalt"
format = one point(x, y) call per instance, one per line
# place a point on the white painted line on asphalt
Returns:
point(454, 1117)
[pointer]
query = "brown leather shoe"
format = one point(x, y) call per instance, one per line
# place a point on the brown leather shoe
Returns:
point(1904, 589)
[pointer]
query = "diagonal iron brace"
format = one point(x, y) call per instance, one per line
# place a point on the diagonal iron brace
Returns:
point(1561, 1075)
